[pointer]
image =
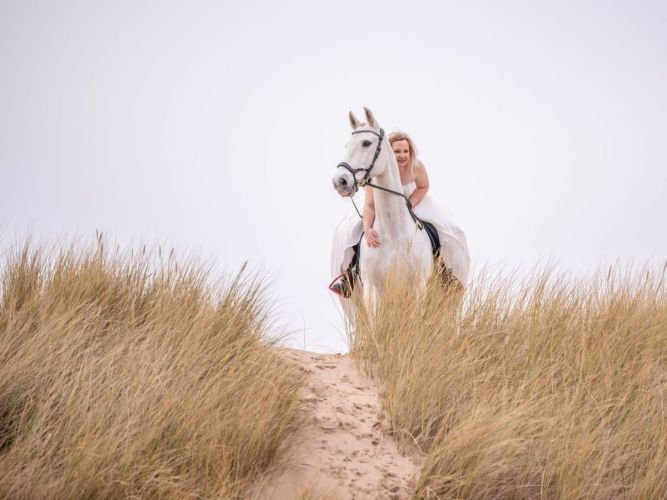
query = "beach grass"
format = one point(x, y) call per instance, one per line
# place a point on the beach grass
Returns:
point(129, 374)
point(541, 386)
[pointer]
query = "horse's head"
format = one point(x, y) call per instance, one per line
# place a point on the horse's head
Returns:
point(361, 154)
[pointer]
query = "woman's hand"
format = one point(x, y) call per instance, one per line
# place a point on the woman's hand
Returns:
point(369, 216)
point(372, 239)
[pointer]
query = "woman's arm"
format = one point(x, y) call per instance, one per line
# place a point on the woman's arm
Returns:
point(369, 217)
point(421, 181)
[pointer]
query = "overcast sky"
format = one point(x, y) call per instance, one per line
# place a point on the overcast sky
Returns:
point(215, 127)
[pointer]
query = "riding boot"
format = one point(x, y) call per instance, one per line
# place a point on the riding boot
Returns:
point(343, 284)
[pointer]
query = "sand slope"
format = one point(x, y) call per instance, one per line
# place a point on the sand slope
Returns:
point(339, 449)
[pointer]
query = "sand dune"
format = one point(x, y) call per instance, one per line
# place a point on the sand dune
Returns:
point(339, 448)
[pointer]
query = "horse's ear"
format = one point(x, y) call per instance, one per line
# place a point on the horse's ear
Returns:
point(370, 118)
point(354, 123)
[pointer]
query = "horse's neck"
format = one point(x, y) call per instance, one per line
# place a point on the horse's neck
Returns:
point(391, 215)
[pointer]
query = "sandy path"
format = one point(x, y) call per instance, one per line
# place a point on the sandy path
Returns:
point(339, 449)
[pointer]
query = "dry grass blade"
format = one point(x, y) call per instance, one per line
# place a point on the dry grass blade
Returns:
point(132, 375)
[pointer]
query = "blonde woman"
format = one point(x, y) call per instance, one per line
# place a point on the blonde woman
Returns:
point(412, 171)
point(414, 178)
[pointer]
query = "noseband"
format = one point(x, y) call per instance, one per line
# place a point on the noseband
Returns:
point(366, 179)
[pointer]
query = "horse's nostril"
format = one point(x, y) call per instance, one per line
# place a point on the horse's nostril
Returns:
point(342, 181)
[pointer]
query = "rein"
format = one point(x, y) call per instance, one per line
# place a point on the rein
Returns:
point(365, 181)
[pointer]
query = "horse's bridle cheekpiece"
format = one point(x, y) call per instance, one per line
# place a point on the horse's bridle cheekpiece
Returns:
point(366, 180)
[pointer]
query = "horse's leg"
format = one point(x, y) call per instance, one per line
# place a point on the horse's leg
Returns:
point(349, 312)
point(370, 297)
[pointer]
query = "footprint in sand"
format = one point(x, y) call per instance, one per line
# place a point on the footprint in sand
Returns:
point(338, 445)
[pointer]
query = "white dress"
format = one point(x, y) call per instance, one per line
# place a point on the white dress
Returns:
point(454, 247)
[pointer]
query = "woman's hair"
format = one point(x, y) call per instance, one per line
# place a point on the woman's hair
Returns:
point(402, 136)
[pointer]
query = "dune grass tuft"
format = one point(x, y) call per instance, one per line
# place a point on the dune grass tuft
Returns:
point(547, 387)
point(132, 375)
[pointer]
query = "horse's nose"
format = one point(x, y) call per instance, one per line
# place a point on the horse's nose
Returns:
point(343, 183)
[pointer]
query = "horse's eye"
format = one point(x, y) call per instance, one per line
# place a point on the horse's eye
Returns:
point(366, 144)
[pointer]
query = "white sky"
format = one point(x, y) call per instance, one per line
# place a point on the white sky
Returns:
point(215, 127)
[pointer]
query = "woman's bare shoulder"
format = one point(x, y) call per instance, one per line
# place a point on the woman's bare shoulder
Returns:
point(420, 168)
point(421, 177)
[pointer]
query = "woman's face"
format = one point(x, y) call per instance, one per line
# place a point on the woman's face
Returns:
point(402, 152)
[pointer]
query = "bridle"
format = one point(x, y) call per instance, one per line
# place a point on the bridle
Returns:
point(367, 171)
point(366, 179)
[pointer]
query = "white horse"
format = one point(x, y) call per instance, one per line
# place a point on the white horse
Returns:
point(405, 251)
